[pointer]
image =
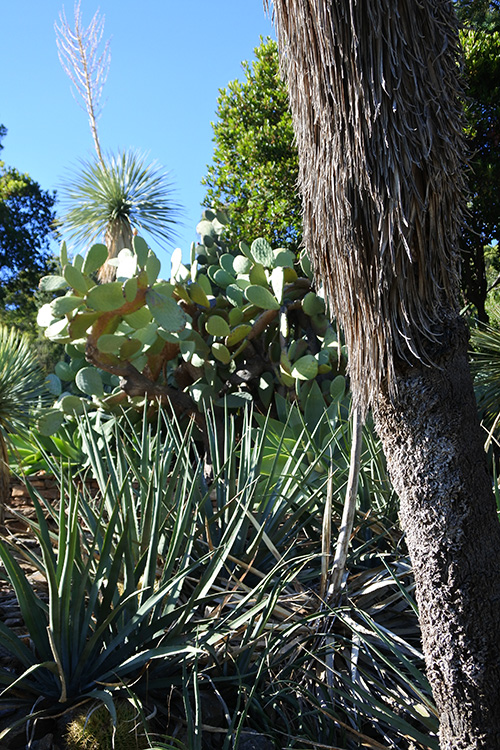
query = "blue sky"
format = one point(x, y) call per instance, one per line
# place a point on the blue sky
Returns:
point(168, 61)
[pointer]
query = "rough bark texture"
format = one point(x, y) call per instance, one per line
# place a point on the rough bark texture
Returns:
point(434, 449)
point(374, 88)
point(374, 95)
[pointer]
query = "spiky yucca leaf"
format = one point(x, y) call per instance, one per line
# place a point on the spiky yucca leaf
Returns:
point(485, 365)
point(22, 387)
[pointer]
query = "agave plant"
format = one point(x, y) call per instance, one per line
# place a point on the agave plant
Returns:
point(113, 195)
point(22, 388)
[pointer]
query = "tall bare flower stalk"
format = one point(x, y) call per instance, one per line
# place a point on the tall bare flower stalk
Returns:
point(85, 63)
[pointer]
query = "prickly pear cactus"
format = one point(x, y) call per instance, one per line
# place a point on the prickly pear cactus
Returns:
point(230, 326)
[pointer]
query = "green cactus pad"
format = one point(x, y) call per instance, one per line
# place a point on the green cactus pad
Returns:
point(305, 264)
point(72, 405)
point(337, 388)
point(226, 262)
point(64, 305)
point(312, 304)
point(220, 277)
point(95, 258)
point(110, 343)
point(246, 250)
point(139, 318)
point(243, 281)
point(50, 422)
point(258, 275)
point(205, 284)
point(89, 381)
point(261, 297)
point(130, 288)
point(106, 297)
point(217, 326)
point(63, 254)
point(53, 383)
point(166, 311)
point(64, 371)
point(238, 334)
point(198, 295)
point(235, 295)
point(58, 331)
point(221, 353)
point(278, 283)
point(241, 264)
point(262, 252)
point(52, 283)
point(152, 269)
point(305, 368)
point(141, 249)
point(205, 227)
point(75, 279)
point(284, 258)
point(130, 348)
point(235, 316)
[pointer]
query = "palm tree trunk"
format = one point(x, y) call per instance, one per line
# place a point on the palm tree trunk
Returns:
point(434, 449)
point(374, 91)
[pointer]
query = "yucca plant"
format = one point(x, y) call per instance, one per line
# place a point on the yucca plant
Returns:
point(132, 577)
point(112, 195)
point(209, 593)
point(22, 389)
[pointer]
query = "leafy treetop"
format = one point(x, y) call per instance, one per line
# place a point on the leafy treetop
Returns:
point(26, 223)
point(255, 163)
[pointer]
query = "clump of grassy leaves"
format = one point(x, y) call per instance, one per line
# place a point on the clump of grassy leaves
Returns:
point(200, 598)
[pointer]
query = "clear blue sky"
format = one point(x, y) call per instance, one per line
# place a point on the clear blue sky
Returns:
point(168, 61)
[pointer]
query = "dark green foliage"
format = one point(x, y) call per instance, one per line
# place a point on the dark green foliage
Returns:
point(26, 222)
point(479, 14)
point(481, 41)
point(255, 164)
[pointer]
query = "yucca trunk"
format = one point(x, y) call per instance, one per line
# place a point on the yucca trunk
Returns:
point(118, 236)
point(374, 88)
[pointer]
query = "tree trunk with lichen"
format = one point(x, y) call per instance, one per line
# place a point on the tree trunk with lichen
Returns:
point(375, 97)
point(434, 449)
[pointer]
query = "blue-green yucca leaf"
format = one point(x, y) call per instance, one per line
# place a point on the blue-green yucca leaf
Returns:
point(29, 604)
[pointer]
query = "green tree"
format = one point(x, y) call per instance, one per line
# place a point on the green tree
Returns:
point(26, 225)
point(479, 14)
point(375, 101)
point(255, 164)
point(481, 41)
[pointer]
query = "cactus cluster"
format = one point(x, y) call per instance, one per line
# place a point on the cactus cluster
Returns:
point(230, 326)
